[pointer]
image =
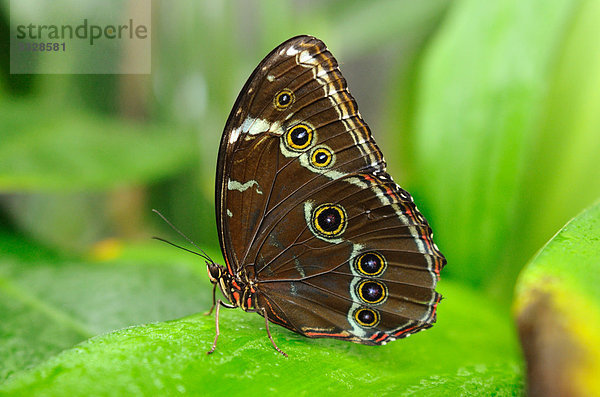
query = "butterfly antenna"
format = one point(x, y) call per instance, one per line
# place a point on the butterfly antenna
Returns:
point(203, 254)
point(179, 246)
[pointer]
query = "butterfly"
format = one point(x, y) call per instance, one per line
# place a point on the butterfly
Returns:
point(316, 235)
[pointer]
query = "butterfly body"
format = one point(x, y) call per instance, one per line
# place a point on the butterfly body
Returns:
point(316, 235)
point(238, 290)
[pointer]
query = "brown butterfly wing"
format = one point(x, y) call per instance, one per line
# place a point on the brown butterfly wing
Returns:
point(289, 165)
point(248, 155)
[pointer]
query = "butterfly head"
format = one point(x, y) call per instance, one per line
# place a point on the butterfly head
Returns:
point(231, 289)
point(215, 271)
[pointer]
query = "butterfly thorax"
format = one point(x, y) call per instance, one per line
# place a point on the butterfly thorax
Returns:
point(238, 290)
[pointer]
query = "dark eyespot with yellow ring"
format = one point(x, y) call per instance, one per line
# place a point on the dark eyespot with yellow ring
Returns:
point(299, 137)
point(371, 291)
point(329, 220)
point(366, 317)
point(283, 99)
point(321, 157)
point(370, 264)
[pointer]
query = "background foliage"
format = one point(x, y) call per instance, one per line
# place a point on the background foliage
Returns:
point(487, 113)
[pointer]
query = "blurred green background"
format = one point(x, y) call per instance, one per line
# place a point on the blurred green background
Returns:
point(487, 112)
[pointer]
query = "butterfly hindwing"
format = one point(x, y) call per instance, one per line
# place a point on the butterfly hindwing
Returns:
point(299, 264)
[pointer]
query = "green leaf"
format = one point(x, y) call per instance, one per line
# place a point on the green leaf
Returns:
point(558, 310)
point(49, 303)
point(43, 148)
point(505, 137)
point(470, 350)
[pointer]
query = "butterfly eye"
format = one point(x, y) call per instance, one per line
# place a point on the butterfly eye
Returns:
point(370, 264)
point(283, 99)
point(321, 157)
point(372, 292)
point(329, 220)
point(299, 137)
point(366, 317)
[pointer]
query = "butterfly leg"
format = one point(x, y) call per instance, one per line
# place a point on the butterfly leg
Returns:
point(269, 332)
point(218, 304)
point(214, 301)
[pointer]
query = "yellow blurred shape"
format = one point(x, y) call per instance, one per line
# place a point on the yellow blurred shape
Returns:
point(107, 249)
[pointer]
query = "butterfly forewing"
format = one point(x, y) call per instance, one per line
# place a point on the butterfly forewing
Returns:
point(306, 210)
